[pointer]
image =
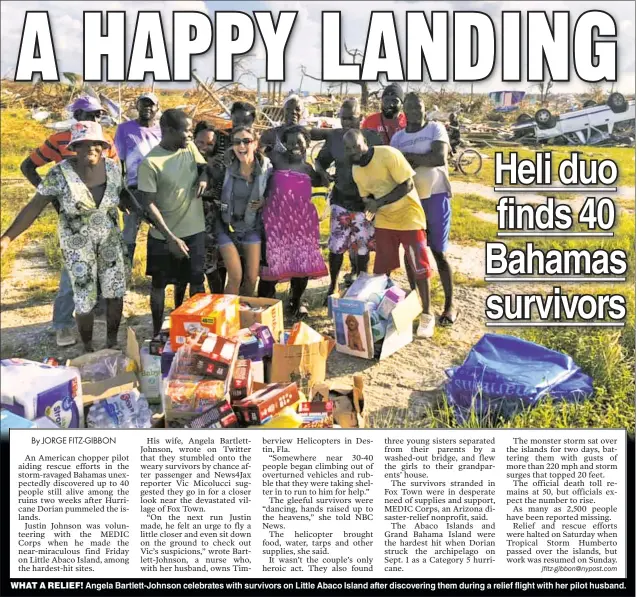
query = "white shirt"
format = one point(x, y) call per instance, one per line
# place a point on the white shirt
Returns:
point(428, 181)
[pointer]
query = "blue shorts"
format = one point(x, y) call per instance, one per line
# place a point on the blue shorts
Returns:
point(244, 237)
point(438, 212)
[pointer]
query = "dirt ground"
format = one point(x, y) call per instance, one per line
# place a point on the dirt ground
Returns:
point(409, 379)
point(404, 384)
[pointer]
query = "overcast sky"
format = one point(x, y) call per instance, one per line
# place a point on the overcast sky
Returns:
point(304, 47)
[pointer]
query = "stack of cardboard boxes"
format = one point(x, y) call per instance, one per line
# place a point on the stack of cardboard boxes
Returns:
point(221, 350)
point(226, 361)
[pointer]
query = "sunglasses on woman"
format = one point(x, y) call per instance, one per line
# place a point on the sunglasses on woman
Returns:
point(244, 141)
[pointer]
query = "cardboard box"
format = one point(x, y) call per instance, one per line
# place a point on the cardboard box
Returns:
point(241, 380)
point(303, 364)
point(220, 416)
point(258, 371)
point(343, 398)
point(316, 414)
point(217, 313)
point(301, 333)
point(215, 357)
point(352, 322)
point(265, 338)
point(320, 392)
point(392, 297)
point(264, 404)
point(124, 382)
point(271, 316)
point(248, 344)
point(256, 342)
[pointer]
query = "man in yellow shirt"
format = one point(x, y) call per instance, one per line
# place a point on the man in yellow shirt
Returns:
point(385, 181)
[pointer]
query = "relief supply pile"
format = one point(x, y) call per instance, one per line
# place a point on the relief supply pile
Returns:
point(219, 361)
point(226, 361)
point(374, 318)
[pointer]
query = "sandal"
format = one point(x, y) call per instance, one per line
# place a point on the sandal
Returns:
point(446, 321)
point(348, 279)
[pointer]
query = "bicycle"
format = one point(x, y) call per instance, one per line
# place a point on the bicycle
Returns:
point(467, 160)
point(315, 149)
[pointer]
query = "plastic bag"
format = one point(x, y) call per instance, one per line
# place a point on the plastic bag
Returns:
point(379, 326)
point(365, 286)
point(107, 367)
point(128, 410)
point(185, 388)
point(503, 374)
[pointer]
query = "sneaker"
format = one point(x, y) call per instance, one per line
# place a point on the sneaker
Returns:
point(65, 337)
point(301, 313)
point(298, 312)
point(426, 327)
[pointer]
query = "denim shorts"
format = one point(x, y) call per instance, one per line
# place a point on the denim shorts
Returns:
point(227, 237)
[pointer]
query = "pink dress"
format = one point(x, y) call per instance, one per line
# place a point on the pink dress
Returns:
point(291, 229)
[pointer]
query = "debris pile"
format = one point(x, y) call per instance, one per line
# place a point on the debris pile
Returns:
point(480, 124)
point(488, 134)
point(55, 97)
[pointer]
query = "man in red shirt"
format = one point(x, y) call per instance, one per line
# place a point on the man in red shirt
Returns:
point(390, 119)
point(55, 149)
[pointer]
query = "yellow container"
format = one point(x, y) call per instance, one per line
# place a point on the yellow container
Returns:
point(285, 419)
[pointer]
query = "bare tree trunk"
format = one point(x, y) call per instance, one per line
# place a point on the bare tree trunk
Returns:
point(364, 95)
point(545, 88)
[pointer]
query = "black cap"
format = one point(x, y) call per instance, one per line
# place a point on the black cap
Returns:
point(394, 89)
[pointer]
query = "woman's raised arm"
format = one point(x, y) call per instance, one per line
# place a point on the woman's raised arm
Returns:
point(24, 220)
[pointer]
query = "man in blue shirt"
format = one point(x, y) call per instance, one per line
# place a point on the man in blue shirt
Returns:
point(133, 140)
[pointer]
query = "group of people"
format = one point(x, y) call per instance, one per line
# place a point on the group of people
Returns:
point(233, 208)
